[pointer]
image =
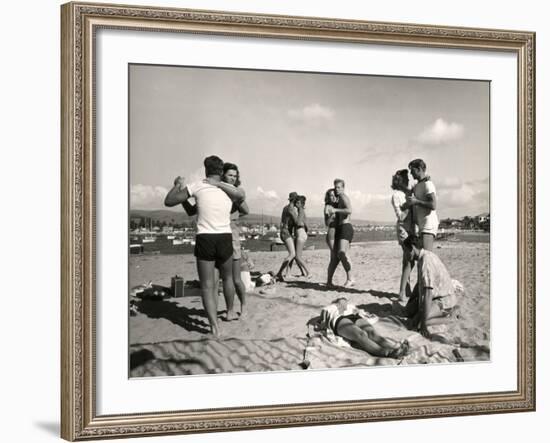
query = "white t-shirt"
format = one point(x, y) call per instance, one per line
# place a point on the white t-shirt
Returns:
point(425, 218)
point(213, 208)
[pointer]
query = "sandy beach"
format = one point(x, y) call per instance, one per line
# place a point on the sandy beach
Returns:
point(170, 336)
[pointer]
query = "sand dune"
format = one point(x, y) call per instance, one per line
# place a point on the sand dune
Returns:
point(170, 336)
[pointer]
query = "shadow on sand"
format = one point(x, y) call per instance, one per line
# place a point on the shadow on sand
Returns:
point(179, 315)
point(322, 287)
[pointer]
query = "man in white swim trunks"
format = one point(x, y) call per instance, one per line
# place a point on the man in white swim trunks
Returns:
point(214, 241)
point(423, 202)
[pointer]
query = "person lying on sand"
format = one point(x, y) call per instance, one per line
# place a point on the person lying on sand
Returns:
point(434, 300)
point(357, 326)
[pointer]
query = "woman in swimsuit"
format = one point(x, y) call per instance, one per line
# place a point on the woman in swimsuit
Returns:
point(404, 227)
point(330, 217)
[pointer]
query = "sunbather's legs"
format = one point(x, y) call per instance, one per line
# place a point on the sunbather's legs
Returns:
point(348, 329)
point(208, 293)
point(387, 343)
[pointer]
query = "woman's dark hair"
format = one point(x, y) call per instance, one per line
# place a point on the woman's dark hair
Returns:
point(401, 177)
point(234, 167)
point(213, 165)
point(327, 196)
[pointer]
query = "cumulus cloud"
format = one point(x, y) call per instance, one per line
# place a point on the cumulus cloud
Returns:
point(147, 196)
point(360, 200)
point(260, 193)
point(468, 196)
point(448, 183)
point(260, 199)
point(441, 132)
point(314, 113)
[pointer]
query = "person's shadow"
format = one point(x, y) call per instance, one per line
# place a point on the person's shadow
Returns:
point(384, 311)
point(322, 287)
point(179, 315)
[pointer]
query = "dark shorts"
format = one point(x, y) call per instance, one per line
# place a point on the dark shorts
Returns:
point(352, 317)
point(285, 234)
point(344, 232)
point(214, 247)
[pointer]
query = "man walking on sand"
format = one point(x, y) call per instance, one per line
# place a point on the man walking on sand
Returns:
point(343, 234)
point(214, 242)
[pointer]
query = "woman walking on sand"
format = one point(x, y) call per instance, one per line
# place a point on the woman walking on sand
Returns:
point(404, 227)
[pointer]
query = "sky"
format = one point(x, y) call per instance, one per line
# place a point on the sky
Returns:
point(290, 131)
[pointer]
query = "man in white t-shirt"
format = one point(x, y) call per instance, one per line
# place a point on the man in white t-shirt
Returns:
point(423, 203)
point(214, 240)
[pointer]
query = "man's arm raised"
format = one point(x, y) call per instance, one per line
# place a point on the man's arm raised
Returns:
point(177, 195)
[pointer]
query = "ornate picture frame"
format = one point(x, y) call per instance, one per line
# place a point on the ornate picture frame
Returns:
point(80, 23)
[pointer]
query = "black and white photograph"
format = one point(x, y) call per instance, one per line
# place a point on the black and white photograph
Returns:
point(291, 221)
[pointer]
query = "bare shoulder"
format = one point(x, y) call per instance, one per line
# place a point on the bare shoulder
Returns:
point(345, 200)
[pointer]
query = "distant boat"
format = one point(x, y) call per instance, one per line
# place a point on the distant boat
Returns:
point(136, 249)
point(182, 241)
point(170, 237)
point(149, 239)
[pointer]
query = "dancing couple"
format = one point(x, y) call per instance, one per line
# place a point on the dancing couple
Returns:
point(293, 230)
point(219, 202)
point(415, 210)
point(337, 214)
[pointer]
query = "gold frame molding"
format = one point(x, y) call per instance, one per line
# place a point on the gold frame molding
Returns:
point(79, 22)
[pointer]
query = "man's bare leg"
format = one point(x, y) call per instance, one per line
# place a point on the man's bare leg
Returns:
point(333, 264)
point(428, 242)
point(289, 243)
point(208, 293)
point(343, 251)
